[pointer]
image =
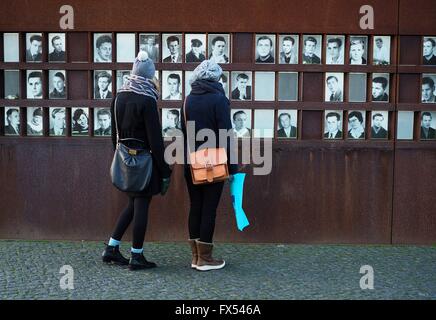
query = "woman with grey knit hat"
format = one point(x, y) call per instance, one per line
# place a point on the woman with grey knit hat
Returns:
point(208, 107)
point(138, 122)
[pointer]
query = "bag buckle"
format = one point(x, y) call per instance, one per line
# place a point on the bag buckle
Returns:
point(208, 165)
point(133, 152)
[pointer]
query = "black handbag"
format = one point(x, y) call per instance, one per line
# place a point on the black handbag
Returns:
point(131, 168)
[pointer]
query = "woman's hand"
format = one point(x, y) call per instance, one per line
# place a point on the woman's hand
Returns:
point(165, 186)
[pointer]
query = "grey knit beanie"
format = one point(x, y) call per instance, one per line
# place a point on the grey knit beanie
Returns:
point(207, 70)
point(143, 66)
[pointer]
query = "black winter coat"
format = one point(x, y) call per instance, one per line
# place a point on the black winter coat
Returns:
point(138, 117)
point(208, 106)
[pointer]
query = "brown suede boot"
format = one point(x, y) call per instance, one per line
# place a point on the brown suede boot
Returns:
point(194, 253)
point(205, 260)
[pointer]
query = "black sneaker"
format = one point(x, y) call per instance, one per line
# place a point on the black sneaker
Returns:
point(138, 261)
point(112, 254)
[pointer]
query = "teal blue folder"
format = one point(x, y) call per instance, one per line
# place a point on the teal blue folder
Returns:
point(237, 191)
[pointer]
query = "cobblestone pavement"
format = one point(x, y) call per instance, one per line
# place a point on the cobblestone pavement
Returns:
point(31, 270)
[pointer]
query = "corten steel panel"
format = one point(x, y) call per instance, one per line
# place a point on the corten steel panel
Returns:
point(409, 85)
point(316, 193)
point(410, 50)
point(330, 16)
point(77, 84)
point(417, 17)
point(414, 219)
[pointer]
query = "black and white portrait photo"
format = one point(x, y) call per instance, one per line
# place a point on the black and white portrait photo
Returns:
point(102, 122)
point(428, 125)
point(241, 122)
point(224, 80)
point(265, 48)
point(34, 84)
point(195, 48)
point(11, 47)
point(287, 124)
point(12, 84)
point(79, 121)
point(35, 123)
point(241, 85)
point(126, 47)
point(333, 124)
point(171, 125)
point(334, 87)
point(358, 50)
point(172, 48)
point(103, 47)
point(429, 51)
point(335, 49)
point(149, 42)
point(57, 121)
point(188, 88)
point(265, 86)
point(103, 84)
point(357, 83)
point(219, 47)
point(288, 86)
point(12, 121)
point(379, 124)
point(172, 85)
point(380, 87)
point(356, 124)
point(288, 46)
point(56, 47)
point(263, 123)
point(312, 49)
point(57, 84)
point(122, 78)
point(33, 47)
point(428, 88)
point(405, 125)
point(381, 53)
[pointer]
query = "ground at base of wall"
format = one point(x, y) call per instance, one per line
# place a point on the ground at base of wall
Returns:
point(43, 270)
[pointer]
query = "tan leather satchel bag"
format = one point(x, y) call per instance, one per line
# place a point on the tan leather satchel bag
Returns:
point(208, 165)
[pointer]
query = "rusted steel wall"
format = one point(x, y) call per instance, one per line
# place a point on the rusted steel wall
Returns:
point(318, 192)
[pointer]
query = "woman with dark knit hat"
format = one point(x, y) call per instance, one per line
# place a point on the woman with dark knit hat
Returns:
point(137, 117)
point(207, 107)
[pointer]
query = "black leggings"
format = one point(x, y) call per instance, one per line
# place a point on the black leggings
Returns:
point(138, 208)
point(204, 202)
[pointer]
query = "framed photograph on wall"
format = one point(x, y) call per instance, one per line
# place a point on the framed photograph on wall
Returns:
point(241, 122)
point(265, 48)
point(12, 121)
point(357, 83)
point(122, 78)
point(149, 42)
point(428, 125)
point(241, 85)
point(429, 51)
point(379, 124)
point(263, 123)
point(172, 48)
point(333, 124)
point(381, 53)
point(171, 122)
point(57, 84)
point(33, 47)
point(80, 121)
point(195, 48)
point(34, 84)
point(12, 84)
point(265, 87)
point(11, 47)
point(334, 87)
point(380, 87)
point(57, 121)
point(219, 47)
point(102, 122)
point(428, 88)
point(289, 49)
point(126, 47)
point(56, 47)
point(35, 123)
point(405, 125)
point(335, 49)
point(287, 124)
point(103, 47)
point(103, 84)
point(359, 50)
point(312, 49)
point(356, 124)
point(172, 85)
